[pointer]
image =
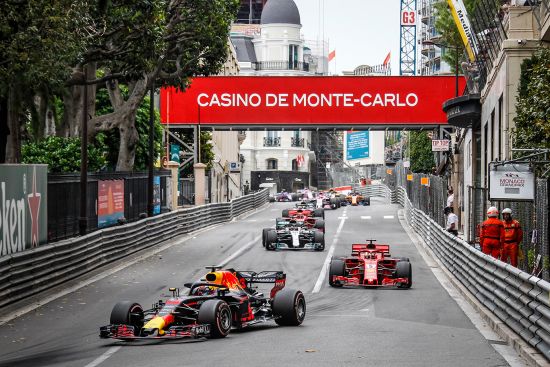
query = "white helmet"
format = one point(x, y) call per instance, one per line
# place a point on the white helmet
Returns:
point(492, 212)
point(507, 211)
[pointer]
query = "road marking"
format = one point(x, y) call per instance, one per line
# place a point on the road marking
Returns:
point(342, 217)
point(102, 358)
point(323, 273)
point(239, 251)
point(366, 217)
point(389, 216)
point(251, 220)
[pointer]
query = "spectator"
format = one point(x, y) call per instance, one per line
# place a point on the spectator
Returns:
point(450, 198)
point(452, 221)
point(492, 234)
point(513, 235)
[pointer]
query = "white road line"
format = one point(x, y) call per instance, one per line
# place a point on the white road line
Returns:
point(366, 217)
point(323, 273)
point(102, 358)
point(389, 216)
point(240, 251)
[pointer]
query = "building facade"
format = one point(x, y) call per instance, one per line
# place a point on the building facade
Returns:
point(429, 39)
point(275, 47)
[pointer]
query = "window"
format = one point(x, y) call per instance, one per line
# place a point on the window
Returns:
point(271, 163)
point(500, 127)
point(295, 165)
point(292, 56)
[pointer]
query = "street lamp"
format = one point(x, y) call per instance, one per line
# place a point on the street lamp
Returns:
point(456, 48)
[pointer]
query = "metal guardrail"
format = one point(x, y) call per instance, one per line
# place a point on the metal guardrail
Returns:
point(519, 299)
point(30, 272)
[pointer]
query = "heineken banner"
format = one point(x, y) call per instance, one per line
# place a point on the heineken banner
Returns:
point(23, 216)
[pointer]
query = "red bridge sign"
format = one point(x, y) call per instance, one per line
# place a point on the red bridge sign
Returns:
point(340, 102)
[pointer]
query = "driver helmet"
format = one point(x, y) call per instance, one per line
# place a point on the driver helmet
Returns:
point(492, 212)
point(204, 290)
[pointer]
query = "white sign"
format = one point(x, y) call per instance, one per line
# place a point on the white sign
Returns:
point(407, 164)
point(440, 145)
point(511, 182)
point(234, 167)
point(368, 150)
point(408, 18)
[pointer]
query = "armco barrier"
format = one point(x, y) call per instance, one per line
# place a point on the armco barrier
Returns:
point(519, 299)
point(30, 272)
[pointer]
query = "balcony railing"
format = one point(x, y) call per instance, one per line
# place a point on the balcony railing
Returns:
point(297, 142)
point(272, 142)
point(280, 65)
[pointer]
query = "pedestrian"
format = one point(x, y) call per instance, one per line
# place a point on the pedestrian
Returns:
point(513, 235)
point(492, 234)
point(450, 198)
point(452, 221)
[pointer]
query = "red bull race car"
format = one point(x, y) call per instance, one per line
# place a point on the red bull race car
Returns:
point(218, 302)
point(370, 265)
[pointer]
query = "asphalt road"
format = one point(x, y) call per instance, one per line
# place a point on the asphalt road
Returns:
point(421, 326)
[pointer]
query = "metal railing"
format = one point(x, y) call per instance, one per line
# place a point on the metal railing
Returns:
point(297, 142)
point(54, 264)
point(272, 142)
point(280, 65)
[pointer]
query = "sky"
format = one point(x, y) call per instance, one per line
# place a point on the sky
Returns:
point(361, 31)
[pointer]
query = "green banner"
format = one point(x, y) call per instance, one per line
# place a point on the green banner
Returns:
point(24, 210)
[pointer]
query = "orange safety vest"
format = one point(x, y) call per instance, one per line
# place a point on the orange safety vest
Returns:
point(512, 231)
point(493, 230)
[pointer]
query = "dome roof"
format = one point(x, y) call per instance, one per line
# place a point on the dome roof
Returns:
point(280, 11)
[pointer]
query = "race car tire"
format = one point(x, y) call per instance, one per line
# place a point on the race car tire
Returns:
point(337, 268)
point(217, 314)
point(285, 213)
point(334, 203)
point(343, 198)
point(128, 313)
point(271, 199)
point(294, 197)
point(403, 269)
point(320, 213)
point(289, 307)
point(270, 239)
point(319, 224)
point(319, 237)
point(403, 259)
point(264, 235)
point(366, 201)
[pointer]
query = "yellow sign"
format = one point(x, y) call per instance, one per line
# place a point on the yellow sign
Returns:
point(410, 177)
point(425, 181)
point(389, 171)
point(460, 16)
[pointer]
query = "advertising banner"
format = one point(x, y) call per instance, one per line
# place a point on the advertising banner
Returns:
point(156, 195)
point(511, 182)
point(460, 16)
point(110, 202)
point(309, 101)
point(357, 145)
point(23, 216)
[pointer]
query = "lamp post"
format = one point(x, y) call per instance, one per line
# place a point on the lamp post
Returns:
point(456, 48)
point(151, 148)
point(83, 218)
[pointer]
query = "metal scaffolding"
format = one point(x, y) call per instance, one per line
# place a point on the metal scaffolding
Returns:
point(407, 47)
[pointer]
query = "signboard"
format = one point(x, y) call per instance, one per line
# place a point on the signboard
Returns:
point(410, 177)
point(460, 16)
point(110, 202)
point(389, 171)
point(156, 195)
point(175, 153)
point(440, 145)
point(408, 18)
point(309, 101)
point(425, 181)
point(23, 207)
point(234, 167)
point(357, 145)
point(511, 182)
point(406, 164)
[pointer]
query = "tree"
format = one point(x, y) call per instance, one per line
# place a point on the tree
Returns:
point(532, 119)
point(421, 158)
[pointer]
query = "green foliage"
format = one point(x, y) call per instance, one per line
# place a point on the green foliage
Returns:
point(533, 102)
point(421, 158)
point(62, 154)
point(207, 154)
point(111, 139)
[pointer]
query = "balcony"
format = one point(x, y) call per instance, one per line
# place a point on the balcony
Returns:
point(272, 142)
point(280, 65)
point(297, 142)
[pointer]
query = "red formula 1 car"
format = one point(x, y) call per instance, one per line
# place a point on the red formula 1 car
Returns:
point(218, 302)
point(370, 265)
point(299, 211)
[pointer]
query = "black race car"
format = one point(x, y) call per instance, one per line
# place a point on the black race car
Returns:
point(220, 301)
point(294, 236)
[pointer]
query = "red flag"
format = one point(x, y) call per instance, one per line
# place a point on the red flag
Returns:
point(387, 59)
point(331, 55)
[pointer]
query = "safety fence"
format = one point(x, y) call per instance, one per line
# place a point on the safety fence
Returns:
point(27, 273)
point(519, 299)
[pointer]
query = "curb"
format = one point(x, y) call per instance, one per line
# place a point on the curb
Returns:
point(530, 355)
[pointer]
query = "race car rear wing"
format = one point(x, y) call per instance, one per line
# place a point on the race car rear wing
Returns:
point(357, 248)
point(263, 277)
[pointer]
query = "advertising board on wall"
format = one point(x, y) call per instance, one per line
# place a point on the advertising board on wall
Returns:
point(23, 216)
point(511, 182)
point(440, 145)
point(309, 101)
point(363, 148)
point(357, 144)
point(156, 195)
point(110, 202)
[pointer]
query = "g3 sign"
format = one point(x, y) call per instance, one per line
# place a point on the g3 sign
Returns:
point(408, 18)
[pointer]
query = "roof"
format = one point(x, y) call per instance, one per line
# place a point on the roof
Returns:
point(244, 48)
point(280, 11)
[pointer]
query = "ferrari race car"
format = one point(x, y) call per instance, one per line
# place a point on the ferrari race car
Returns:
point(294, 236)
point(370, 265)
point(302, 210)
point(220, 301)
point(356, 198)
point(301, 220)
